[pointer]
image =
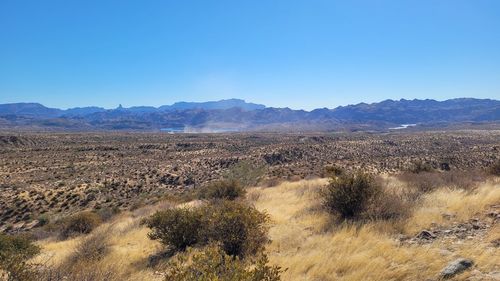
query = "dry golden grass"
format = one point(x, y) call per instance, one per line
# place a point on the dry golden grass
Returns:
point(458, 203)
point(303, 242)
point(129, 251)
point(311, 247)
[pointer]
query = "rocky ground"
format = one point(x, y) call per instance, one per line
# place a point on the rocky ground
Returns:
point(452, 235)
point(63, 173)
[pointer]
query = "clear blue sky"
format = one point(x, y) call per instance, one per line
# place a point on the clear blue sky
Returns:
point(301, 54)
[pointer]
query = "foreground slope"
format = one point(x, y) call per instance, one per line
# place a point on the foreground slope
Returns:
point(312, 247)
point(306, 243)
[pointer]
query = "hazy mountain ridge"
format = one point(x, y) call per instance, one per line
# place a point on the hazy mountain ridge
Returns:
point(238, 115)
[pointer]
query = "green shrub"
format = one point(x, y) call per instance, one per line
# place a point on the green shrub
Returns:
point(246, 173)
point(241, 230)
point(43, 220)
point(176, 228)
point(15, 251)
point(214, 264)
point(80, 223)
point(225, 189)
point(349, 195)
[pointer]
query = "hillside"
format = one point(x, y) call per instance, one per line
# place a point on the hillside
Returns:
point(310, 248)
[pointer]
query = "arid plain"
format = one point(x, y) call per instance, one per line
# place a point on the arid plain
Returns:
point(438, 202)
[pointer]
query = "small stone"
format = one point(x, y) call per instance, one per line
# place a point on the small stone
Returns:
point(426, 234)
point(455, 267)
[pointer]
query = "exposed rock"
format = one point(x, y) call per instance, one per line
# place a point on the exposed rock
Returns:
point(455, 267)
point(426, 235)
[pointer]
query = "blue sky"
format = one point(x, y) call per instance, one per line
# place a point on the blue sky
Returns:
point(300, 54)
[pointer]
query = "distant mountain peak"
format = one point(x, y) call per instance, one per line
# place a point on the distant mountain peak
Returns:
point(210, 105)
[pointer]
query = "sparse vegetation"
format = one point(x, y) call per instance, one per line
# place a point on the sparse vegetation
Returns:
point(393, 222)
point(420, 167)
point(212, 263)
point(81, 223)
point(304, 242)
point(246, 173)
point(91, 249)
point(495, 168)
point(333, 171)
point(15, 252)
point(224, 189)
point(125, 171)
point(425, 182)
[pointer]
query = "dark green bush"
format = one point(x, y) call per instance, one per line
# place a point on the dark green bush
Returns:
point(176, 228)
point(43, 220)
point(224, 189)
point(349, 195)
point(80, 223)
point(241, 230)
point(15, 251)
point(214, 264)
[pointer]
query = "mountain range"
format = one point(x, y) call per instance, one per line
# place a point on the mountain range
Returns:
point(238, 115)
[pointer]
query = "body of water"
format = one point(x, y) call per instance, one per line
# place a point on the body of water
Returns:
point(403, 126)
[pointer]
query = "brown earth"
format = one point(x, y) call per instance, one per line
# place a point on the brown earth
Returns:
point(64, 173)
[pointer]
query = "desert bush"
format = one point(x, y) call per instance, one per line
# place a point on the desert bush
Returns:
point(79, 272)
point(333, 171)
point(348, 195)
point(389, 206)
point(246, 172)
point(80, 223)
point(423, 182)
point(224, 189)
point(272, 182)
point(108, 212)
point(212, 263)
point(177, 228)
point(15, 251)
point(426, 182)
point(495, 168)
point(466, 180)
point(420, 166)
point(241, 230)
point(43, 220)
point(91, 249)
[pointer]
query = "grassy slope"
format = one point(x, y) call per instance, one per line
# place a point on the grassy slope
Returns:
point(305, 242)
